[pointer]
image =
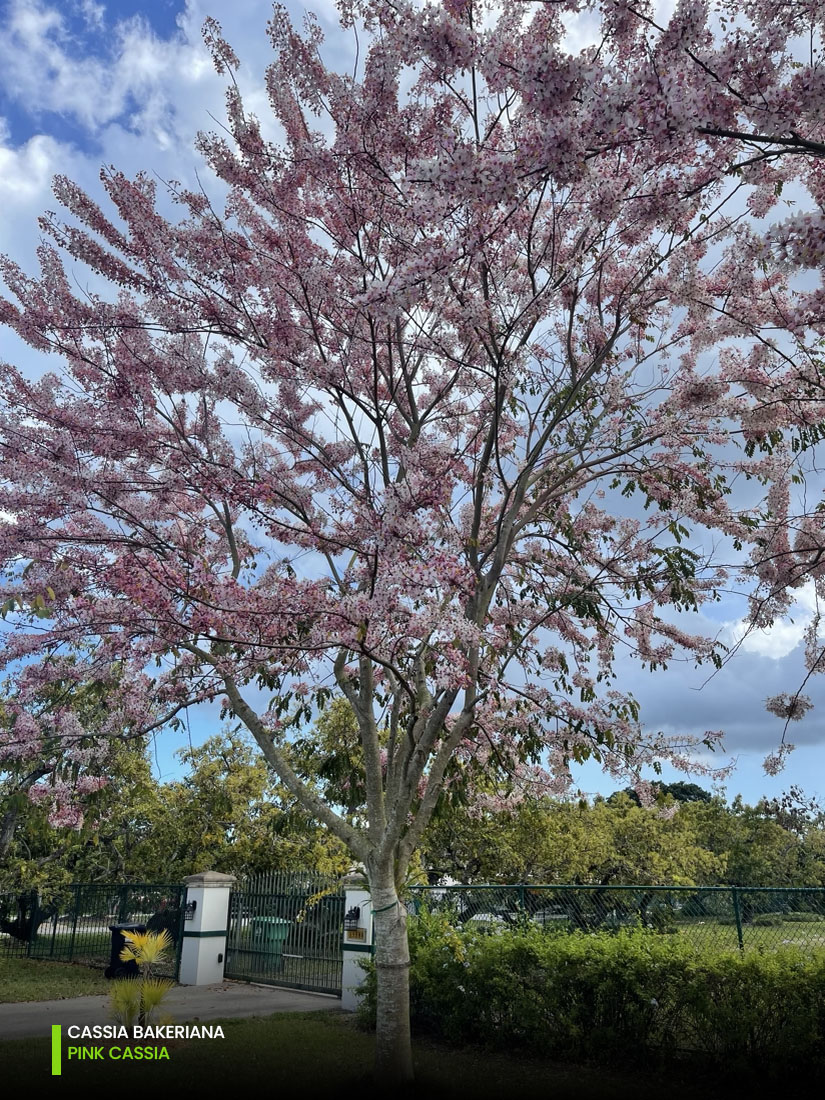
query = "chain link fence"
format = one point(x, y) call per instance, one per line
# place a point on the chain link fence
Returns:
point(74, 924)
point(710, 917)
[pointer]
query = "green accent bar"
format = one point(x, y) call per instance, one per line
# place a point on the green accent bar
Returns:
point(359, 947)
point(57, 1065)
point(203, 935)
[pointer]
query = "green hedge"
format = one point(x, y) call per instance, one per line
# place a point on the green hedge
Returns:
point(632, 996)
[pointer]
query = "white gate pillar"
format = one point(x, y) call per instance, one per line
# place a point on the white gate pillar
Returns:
point(204, 930)
point(358, 940)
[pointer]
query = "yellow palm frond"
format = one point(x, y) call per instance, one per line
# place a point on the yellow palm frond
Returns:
point(153, 991)
point(125, 999)
point(146, 948)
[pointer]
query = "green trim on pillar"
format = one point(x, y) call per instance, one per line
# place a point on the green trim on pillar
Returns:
point(202, 935)
point(367, 947)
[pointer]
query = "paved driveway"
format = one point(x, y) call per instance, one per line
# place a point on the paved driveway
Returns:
point(185, 1003)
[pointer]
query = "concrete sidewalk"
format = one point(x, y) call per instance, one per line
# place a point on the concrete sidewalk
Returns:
point(186, 1003)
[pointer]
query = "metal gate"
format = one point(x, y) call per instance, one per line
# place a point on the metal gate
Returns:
point(286, 928)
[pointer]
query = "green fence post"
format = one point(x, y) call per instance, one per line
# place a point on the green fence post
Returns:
point(123, 906)
point(34, 924)
point(181, 927)
point(54, 932)
point(738, 915)
point(76, 909)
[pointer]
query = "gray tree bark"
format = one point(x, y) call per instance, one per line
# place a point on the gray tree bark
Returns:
point(393, 1047)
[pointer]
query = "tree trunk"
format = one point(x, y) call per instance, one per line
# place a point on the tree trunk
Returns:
point(393, 1047)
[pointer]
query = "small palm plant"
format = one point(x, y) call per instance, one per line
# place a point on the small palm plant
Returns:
point(137, 1000)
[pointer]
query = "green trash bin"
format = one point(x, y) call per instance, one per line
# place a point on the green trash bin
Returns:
point(268, 937)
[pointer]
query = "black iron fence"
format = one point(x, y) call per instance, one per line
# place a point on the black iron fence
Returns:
point(74, 924)
point(711, 917)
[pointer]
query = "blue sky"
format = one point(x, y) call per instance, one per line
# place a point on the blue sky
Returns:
point(90, 82)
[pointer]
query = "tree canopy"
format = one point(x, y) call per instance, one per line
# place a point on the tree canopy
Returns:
point(440, 406)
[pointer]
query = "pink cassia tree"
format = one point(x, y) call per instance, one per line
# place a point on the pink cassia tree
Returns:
point(435, 413)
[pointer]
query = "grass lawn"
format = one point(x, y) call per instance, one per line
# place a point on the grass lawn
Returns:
point(85, 942)
point(710, 935)
point(86, 947)
point(36, 980)
point(312, 1054)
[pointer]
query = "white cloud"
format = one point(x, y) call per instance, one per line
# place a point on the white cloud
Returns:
point(93, 14)
point(25, 172)
point(35, 54)
point(776, 641)
point(780, 639)
point(49, 69)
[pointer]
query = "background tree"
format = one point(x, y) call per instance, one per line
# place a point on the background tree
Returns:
point(755, 848)
point(51, 750)
point(435, 412)
point(102, 844)
point(612, 841)
point(679, 791)
point(330, 758)
point(228, 814)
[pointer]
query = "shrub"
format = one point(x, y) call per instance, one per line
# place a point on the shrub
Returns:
point(759, 1010)
point(629, 996)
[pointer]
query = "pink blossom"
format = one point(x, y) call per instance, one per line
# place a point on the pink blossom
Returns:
point(440, 412)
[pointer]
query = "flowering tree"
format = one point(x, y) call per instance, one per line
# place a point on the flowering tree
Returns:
point(52, 752)
point(433, 414)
